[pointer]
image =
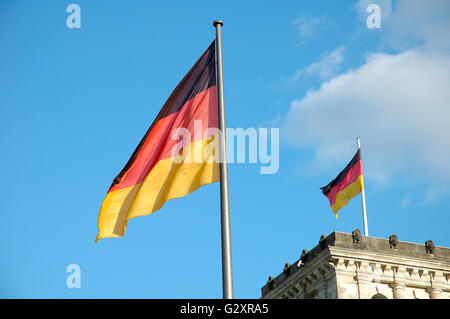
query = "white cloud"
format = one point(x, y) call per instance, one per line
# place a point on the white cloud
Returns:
point(436, 192)
point(418, 20)
point(406, 202)
point(327, 67)
point(398, 104)
point(410, 21)
point(307, 27)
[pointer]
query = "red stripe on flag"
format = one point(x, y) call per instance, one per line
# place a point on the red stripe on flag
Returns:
point(158, 144)
point(349, 179)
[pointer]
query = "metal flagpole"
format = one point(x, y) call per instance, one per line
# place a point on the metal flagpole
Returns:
point(363, 197)
point(227, 272)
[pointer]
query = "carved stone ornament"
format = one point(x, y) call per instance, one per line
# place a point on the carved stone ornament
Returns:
point(393, 241)
point(304, 252)
point(322, 238)
point(429, 246)
point(356, 235)
point(270, 282)
point(301, 261)
point(287, 269)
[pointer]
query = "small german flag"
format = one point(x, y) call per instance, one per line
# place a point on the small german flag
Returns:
point(155, 174)
point(346, 185)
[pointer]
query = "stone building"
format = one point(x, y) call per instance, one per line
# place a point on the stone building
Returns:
point(352, 266)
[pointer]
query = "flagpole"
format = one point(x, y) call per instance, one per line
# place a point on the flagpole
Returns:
point(227, 272)
point(363, 196)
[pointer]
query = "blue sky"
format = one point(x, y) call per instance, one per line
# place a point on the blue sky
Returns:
point(74, 103)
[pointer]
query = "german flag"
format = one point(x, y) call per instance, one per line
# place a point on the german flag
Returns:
point(177, 155)
point(346, 185)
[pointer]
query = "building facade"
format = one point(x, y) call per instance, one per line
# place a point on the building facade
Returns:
point(352, 266)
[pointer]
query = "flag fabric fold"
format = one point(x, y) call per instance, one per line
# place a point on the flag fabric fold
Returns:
point(346, 185)
point(177, 155)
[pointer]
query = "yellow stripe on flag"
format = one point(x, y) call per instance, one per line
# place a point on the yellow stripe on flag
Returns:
point(344, 196)
point(167, 180)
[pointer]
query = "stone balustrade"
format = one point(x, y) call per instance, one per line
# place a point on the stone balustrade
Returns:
point(353, 266)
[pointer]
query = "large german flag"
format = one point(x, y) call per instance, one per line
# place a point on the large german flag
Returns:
point(346, 185)
point(177, 155)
